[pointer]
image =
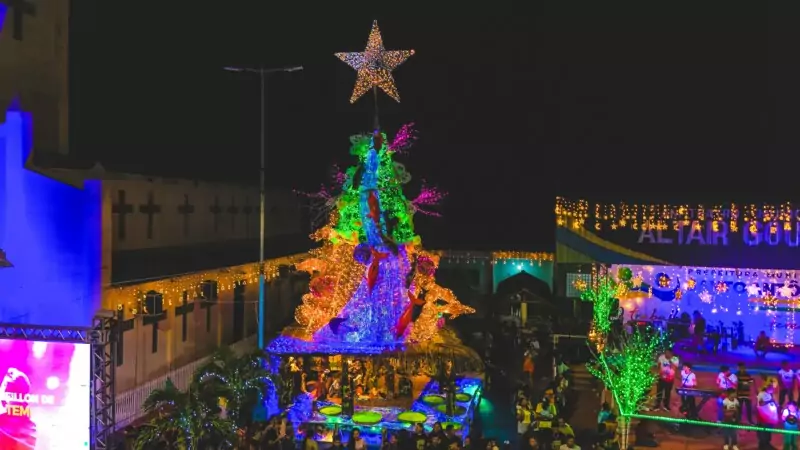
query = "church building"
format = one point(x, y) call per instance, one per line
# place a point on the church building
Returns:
point(175, 261)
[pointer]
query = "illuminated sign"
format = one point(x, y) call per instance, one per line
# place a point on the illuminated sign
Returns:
point(44, 395)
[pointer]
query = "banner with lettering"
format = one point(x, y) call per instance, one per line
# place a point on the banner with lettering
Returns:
point(761, 300)
point(764, 237)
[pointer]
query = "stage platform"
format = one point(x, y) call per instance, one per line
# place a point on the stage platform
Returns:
point(702, 437)
point(708, 362)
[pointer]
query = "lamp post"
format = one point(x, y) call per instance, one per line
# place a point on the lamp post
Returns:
point(262, 75)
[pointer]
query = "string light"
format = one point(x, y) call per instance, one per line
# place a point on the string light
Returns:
point(375, 65)
point(770, 219)
point(131, 297)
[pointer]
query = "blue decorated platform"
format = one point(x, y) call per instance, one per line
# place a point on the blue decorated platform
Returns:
point(429, 403)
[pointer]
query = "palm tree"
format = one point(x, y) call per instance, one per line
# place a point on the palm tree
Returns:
point(241, 381)
point(184, 420)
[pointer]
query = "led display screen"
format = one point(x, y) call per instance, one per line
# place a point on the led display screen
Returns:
point(44, 395)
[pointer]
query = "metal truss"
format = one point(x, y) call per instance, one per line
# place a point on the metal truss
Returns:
point(102, 337)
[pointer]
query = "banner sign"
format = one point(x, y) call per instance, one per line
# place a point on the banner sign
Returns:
point(761, 300)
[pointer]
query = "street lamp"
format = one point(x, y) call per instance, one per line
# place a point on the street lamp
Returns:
point(262, 74)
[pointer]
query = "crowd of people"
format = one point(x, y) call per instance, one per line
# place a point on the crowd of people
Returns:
point(736, 394)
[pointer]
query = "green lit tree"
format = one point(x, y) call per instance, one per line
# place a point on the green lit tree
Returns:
point(626, 369)
point(185, 420)
point(603, 292)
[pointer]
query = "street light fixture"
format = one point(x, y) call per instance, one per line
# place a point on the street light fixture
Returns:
point(262, 73)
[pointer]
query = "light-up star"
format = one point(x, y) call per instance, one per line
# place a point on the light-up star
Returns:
point(375, 65)
point(753, 290)
point(787, 291)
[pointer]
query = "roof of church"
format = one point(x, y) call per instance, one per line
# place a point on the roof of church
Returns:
point(130, 266)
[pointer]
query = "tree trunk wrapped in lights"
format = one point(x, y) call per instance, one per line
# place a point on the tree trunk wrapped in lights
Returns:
point(626, 369)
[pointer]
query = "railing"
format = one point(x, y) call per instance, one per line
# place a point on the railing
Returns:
point(129, 403)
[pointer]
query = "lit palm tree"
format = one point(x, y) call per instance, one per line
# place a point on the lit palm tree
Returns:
point(184, 420)
point(240, 380)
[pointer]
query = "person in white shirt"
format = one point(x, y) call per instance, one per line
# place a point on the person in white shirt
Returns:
point(668, 365)
point(725, 380)
point(688, 380)
point(570, 444)
point(730, 407)
point(767, 415)
point(786, 381)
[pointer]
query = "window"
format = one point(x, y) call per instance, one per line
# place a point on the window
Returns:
point(571, 291)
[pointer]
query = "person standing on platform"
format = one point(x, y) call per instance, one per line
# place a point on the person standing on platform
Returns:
point(725, 380)
point(731, 415)
point(668, 365)
point(786, 377)
point(744, 390)
point(688, 381)
point(767, 416)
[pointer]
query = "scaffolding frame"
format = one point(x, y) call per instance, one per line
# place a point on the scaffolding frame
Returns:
point(101, 336)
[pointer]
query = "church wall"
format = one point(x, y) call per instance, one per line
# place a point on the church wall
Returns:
point(172, 218)
point(208, 325)
point(33, 68)
point(50, 263)
point(153, 212)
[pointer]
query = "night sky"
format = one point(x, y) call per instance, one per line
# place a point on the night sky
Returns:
point(514, 104)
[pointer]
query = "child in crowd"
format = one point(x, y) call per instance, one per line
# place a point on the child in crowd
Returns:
point(730, 407)
point(725, 381)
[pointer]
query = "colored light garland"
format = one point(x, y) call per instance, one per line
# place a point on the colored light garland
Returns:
point(713, 424)
point(644, 216)
point(375, 65)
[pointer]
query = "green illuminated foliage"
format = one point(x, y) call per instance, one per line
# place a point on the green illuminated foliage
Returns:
point(397, 210)
point(627, 371)
point(602, 293)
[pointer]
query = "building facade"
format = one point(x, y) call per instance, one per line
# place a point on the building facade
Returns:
point(34, 43)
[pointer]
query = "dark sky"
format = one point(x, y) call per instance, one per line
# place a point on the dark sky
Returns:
point(514, 102)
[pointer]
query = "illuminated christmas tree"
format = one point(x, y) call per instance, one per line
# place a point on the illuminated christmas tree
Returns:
point(372, 285)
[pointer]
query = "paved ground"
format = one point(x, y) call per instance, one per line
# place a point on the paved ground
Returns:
point(703, 438)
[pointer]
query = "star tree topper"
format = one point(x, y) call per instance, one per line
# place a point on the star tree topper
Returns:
point(375, 65)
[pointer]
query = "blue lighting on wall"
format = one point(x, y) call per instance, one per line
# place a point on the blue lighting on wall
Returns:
point(3, 11)
point(542, 270)
point(51, 234)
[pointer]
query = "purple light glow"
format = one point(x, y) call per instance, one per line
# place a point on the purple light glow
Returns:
point(404, 139)
point(428, 196)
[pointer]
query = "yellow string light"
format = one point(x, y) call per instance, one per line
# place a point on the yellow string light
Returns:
point(132, 296)
point(653, 216)
point(375, 65)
